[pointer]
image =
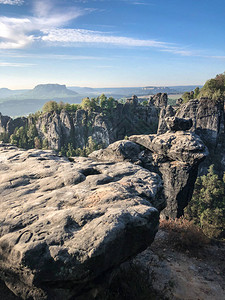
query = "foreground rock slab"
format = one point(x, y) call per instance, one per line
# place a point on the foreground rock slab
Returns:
point(64, 223)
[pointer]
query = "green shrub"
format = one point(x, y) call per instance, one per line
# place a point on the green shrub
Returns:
point(214, 88)
point(207, 207)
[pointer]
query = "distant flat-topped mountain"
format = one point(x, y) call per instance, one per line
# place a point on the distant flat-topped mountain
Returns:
point(46, 91)
point(23, 102)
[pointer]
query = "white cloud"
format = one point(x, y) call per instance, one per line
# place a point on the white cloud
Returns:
point(71, 37)
point(47, 24)
point(176, 50)
point(216, 57)
point(18, 33)
point(13, 33)
point(9, 64)
point(96, 37)
point(11, 54)
point(12, 2)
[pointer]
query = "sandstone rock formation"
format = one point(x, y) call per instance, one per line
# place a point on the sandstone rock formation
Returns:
point(208, 122)
point(165, 112)
point(175, 156)
point(207, 116)
point(179, 101)
point(118, 151)
point(159, 100)
point(65, 223)
point(177, 124)
point(57, 129)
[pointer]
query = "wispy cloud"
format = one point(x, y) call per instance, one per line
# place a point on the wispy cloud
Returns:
point(180, 51)
point(140, 3)
point(10, 54)
point(50, 24)
point(222, 57)
point(16, 33)
point(9, 64)
point(12, 2)
point(95, 37)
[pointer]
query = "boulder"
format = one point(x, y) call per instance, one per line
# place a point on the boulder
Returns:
point(165, 112)
point(119, 151)
point(175, 156)
point(181, 146)
point(179, 101)
point(64, 224)
point(144, 140)
point(208, 122)
point(178, 124)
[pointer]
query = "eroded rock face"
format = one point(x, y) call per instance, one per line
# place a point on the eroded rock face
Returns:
point(207, 116)
point(165, 112)
point(175, 156)
point(63, 224)
point(159, 100)
point(178, 124)
point(119, 151)
point(58, 129)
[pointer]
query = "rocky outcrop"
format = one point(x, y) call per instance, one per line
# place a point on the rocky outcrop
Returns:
point(57, 130)
point(175, 156)
point(165, 112)
point(179, 101)
point(207, 116)
point(8, 125)
point(208, 122)
point(65, 224)
point(119, 151)
point(177, 124)
point(159, 100)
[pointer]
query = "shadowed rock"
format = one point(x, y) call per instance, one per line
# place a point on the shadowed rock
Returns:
point(209, 123)
point(118, 151)
point(159, 100)
point(175, 156)
point(165, 112)
point(178, 124)
point(64, 224)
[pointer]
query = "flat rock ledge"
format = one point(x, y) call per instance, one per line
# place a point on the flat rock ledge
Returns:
point(65, 223)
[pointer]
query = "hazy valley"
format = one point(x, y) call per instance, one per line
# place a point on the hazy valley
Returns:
point(23, 102)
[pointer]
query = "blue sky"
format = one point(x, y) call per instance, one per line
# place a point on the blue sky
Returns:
point(110, 43)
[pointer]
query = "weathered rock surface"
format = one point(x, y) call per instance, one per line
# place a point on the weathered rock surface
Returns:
point(207, 116)
point(119, 151)
point(165, 112)
point(159, 100)
point(179, 101)
point(63, 224)
point(178, 124)
point(58, 129)
point(182, 146)
point(208, 122)
point(175, 156)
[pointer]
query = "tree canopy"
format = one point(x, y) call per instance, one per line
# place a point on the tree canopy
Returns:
point(213, 88)
point(207, 207)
